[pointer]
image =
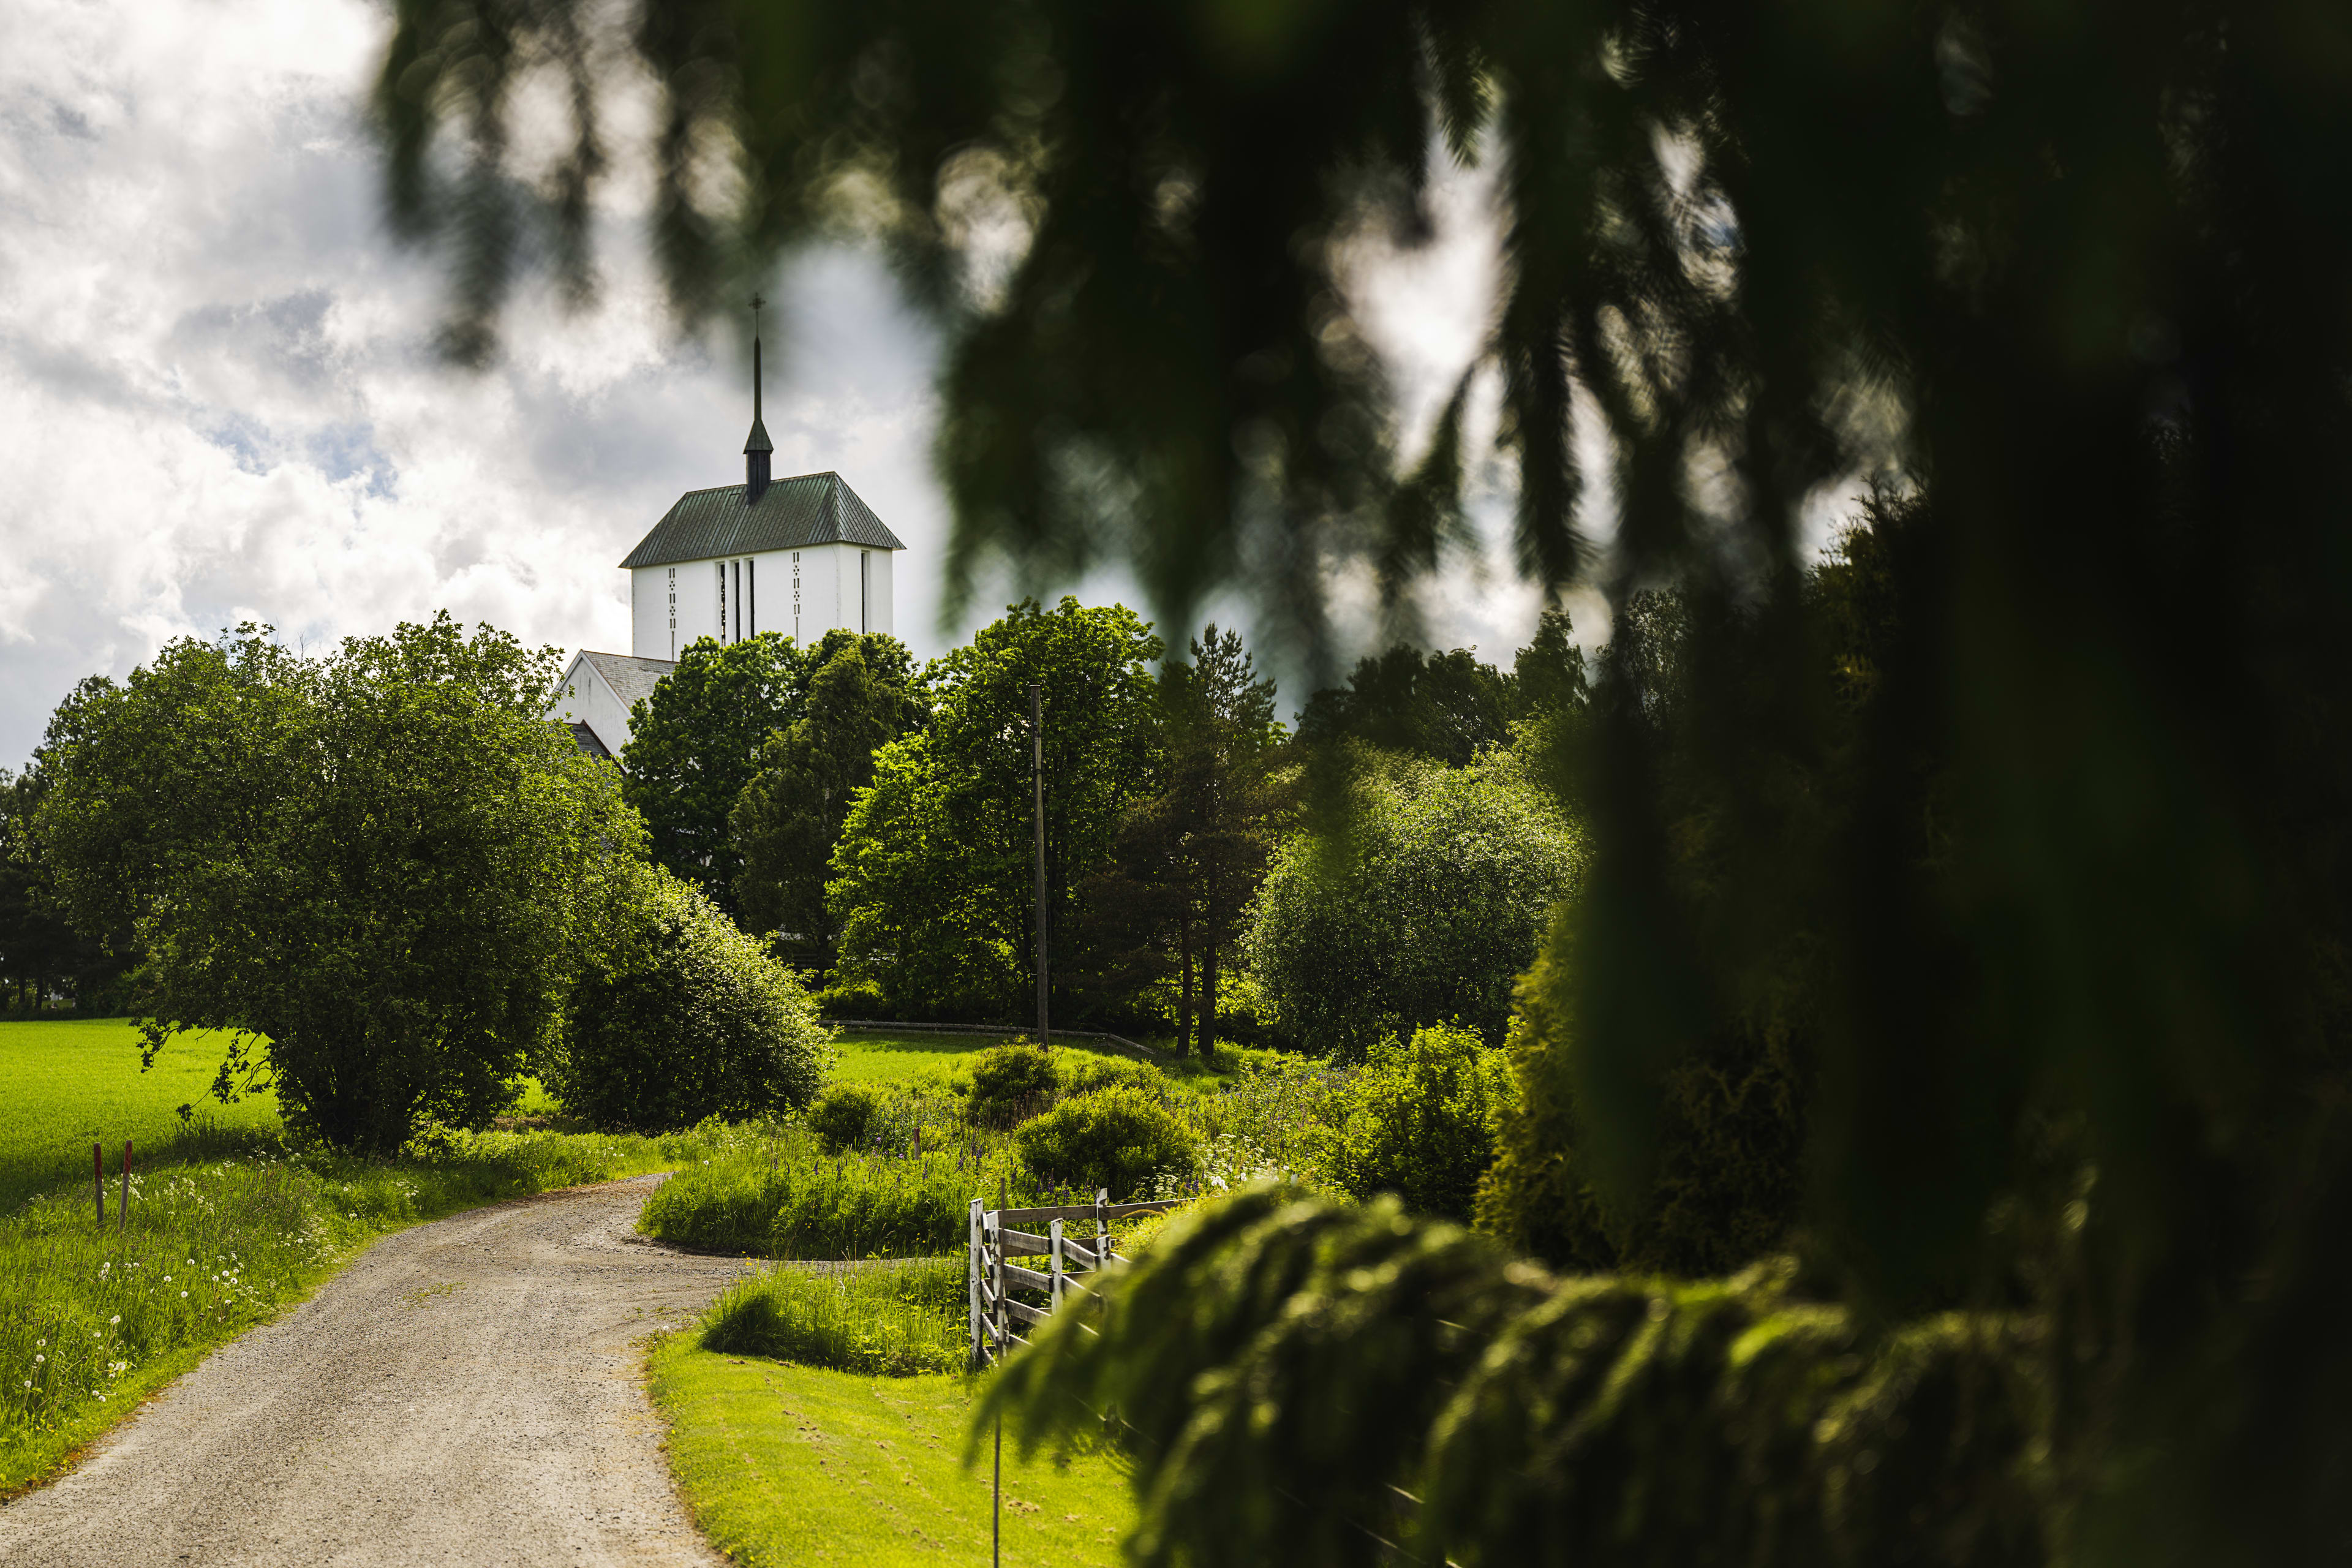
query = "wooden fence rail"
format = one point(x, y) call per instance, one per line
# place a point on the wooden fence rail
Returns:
point(993, 1279)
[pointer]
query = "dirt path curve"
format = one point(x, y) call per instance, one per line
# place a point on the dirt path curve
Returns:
point(466, 1393)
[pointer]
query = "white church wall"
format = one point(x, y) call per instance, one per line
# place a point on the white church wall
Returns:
point(584, 699)
point(879, 615)
point(802, 593)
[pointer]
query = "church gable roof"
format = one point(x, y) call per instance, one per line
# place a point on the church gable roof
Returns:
point(814, 508)
point(631, 678)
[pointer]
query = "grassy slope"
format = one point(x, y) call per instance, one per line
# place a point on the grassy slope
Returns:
point(65, 1084)
point(789, 1464)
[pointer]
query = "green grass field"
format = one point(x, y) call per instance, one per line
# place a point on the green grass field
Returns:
point(875, 1056)
point(67, 1084)
point(784, 1464)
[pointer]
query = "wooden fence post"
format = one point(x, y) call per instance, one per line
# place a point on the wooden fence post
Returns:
point(1054, 1290)
point(97, 1179)
point(972, 1269)
point(1102, 1229)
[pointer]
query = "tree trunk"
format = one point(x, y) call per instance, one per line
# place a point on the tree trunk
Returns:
point(1184, 987)
point(1209, 999)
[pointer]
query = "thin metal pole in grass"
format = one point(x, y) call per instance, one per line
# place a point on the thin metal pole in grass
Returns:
point(996, 1476)
point(125, 1204)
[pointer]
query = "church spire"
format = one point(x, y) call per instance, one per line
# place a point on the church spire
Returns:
point(756, 446)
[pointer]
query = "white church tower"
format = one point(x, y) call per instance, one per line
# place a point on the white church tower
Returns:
point(797, 556)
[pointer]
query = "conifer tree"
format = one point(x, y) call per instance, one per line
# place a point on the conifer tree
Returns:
point(787, 819)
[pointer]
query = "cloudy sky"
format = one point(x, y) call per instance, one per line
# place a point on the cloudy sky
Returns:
point(218, 400)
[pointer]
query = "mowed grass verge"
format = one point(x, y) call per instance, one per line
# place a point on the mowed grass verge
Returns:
point(785, 1464)
point(228, 1228)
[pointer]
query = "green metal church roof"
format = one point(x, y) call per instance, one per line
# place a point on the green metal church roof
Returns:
point(794, 513)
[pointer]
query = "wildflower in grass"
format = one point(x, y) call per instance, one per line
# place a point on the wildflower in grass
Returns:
point(116, 1319)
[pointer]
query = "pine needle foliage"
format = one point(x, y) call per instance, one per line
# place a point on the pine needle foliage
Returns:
point(1387, 1390)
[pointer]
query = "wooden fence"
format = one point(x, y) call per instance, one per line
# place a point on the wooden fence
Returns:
point(997, 1285)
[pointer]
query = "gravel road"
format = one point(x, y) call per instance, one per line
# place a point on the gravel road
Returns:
point(466, 1393)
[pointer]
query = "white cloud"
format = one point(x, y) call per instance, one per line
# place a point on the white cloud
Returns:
point(218, 400)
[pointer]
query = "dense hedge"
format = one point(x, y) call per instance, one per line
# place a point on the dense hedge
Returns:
point(683, 1016)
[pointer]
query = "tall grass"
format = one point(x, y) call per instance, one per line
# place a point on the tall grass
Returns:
point(885, 1320)
point(91, 1320)
point(778, 1194)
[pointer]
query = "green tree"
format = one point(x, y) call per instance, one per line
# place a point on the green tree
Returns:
point(1549, 676)
point(788, 819)
point(1188, 861)
point(41, 953)
point(1446, 706)
point(694, 744)
point(371, 864)
point(932, 871)
point(1424, 906)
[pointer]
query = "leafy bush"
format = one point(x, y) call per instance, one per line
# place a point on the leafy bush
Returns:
point(1419, 1121)
point(372, 868)
point(1080, 1072)
point(843, 1115)
point(1725, 1177)
point(682, 1016)
point(1120, 1137)
point(1010, 1082)
point(1272, 1114)
point(853, 999)
point(888, 1322)
point(1428, 909)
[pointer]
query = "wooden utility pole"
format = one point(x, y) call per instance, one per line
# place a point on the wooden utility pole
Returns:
point(1038, 818)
